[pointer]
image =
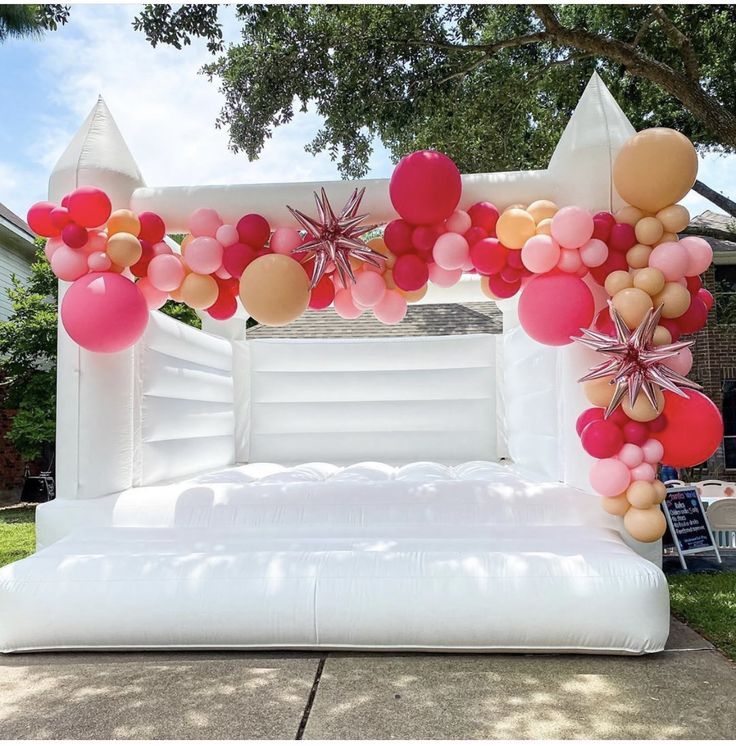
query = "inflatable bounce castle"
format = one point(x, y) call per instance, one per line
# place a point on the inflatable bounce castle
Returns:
point(439, 493)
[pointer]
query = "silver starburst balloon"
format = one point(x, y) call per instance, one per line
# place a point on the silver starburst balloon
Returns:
point(335, 238)
point(634, 363)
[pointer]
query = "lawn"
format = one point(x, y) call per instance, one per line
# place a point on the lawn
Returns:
point(17, 534)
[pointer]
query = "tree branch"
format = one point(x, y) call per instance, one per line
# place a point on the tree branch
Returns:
point(680, 42)
point(726, 204)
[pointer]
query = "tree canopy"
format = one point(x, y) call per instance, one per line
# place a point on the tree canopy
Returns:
point(31, 20)
point(491, 85)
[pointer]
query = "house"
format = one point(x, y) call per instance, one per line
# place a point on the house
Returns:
point(17, 251)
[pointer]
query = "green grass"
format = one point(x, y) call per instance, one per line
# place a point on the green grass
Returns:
point(707, 602)
point(17, 534)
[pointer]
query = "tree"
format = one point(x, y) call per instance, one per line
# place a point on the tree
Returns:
point(31, 20)
point(490, 85)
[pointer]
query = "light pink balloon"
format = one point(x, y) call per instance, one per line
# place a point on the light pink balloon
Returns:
point(671, 258)
point(96, 241)
point(68, 264)
point(459, 222)
point(594, 253)
point(161, 248)
point(609, 477)
point(643, 473)
point(391, 309)
point(344, 306)
point(166, 272)
point(284, 240)
point(570, 261)
point(451, 251)
point(631, 455)
point(223, 274)
point(368, 289)
point(700, 255)
point(681, 362)
point(155, 298)
point(227, 235)
point(540, 254)
point(444, 278)
point(52, 244)
point(99, 261)
point(204, 222)
point(653, 451)
point(203, 255)
point(572, 227)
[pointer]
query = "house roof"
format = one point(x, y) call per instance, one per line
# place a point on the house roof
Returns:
point(7, 215)
point(15, 232)
point(421, 320)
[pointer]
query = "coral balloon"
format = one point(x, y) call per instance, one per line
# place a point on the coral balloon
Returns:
point(648, 231)
point(391, 309)
point(645, 525)
point(650, 280)
point(515, 227)
point(540, 254)
point(554, 308)
point(598, 391)
point(123, 221)
point(166, 272)
point(609, 477)
point(204, 222)
point(674, 299)
point(89, 206)
point(204, 255)
point(572, 227)
point(425, 187)
point(104, 312)
point(655, 168)
point(642, 495)
point(274, 290)
point(124, 249)
point(694, 429)
point(617, 505)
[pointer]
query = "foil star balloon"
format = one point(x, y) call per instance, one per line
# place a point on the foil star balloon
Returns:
point(634, 363)
point(336, 238)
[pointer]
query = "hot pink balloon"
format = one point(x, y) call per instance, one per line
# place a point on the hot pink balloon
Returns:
point(700, 255)
point(451, 251)
point(104, 312)
point(98, 261)
point(572, 227)
point(602, 439)
point(74, 236)
point(484, 215)
point(570, 261)
point(152, 229)
point(586, 417)
point(40, 221)
point(368, 289)
point(344, 306)
point(631, 455)
point(643, 473)
point(284, 240)
point(204, 222)
point(203, 255)
point(253, 230)
point(227, 235)
point(653, 451)
point(671, 258)
point(636, 432)
point(166, 272)
point(594, 252)
point(89, 206)
point(459, 222)
point(540, 254)
point(609, 477)
point(391, 309)
point(681, 362)
point(444, 278)
point(410, 272)
point(68, 264)
point(155, 298)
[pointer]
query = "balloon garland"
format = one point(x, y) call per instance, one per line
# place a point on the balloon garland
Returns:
point(623, 284)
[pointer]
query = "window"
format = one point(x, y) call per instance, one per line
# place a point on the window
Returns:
point(725, 294)
point(729, 423)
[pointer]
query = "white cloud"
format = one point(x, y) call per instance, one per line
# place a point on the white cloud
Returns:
point(719, 173)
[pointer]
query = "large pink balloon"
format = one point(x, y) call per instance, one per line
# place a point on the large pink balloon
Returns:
point(425, 187)
point(555, 307)
point(104, 312)
point(694, 429)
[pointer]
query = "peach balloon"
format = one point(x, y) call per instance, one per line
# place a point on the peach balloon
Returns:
point(632, 304)
point(598, 392)
point(662, 336)
point(542, 209)
point(124, 249)
point(660, 489)
point(617, 281)
point(123, 221)
point(674, 218)
point(641, 495)
point(655, 168)
point(648, 231)
point(388, 278)
point(413, 296)
point(544, 227)
point(642, 410)
point(629, 215)
point(617, 505)
point(274, 289)
point(515, 227)
point(674, 298)
point(200, 291)
point(645, 525)
point(650, 280)
point(637, 257)
point(667, 238)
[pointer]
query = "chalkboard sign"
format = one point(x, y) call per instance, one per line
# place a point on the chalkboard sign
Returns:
point(688, 526)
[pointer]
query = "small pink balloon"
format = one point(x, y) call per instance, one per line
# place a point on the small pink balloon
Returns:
point(700, 255)
point(391, 309)
point(52, 244)
point(96, 241)
point(161, 248)
point(451, 251)
point(284, 240)
point(643, 473)
point(68, 264)
point(681, 362)
point(166, 272)
point(227, 235)
point(203, 255)
point(671, 258)
point(344, 306)
point(540, 254)
point(572, 227)
point(444, 278)
point(609, 477)
point(155, 298)
point(594, 253)
point(98, 261)
point(204, 222)
point(368, 289)
point(631, 455)
point(223, 274)
point(653, 451)
point(459, 222)
point(571, 262)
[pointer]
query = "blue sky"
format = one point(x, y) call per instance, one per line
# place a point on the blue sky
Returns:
point(165, 110)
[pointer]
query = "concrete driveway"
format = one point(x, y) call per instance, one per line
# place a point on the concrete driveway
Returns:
point(685, 692)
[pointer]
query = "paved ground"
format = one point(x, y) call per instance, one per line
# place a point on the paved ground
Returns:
point(685, 692)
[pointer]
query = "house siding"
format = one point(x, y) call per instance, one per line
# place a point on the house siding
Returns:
point(11, 263)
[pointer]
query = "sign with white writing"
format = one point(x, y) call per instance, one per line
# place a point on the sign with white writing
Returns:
point(687, 522)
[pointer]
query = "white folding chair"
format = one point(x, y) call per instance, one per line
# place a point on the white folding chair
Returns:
point(722, 519)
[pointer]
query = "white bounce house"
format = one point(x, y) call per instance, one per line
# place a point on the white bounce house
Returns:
point(384, 494)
